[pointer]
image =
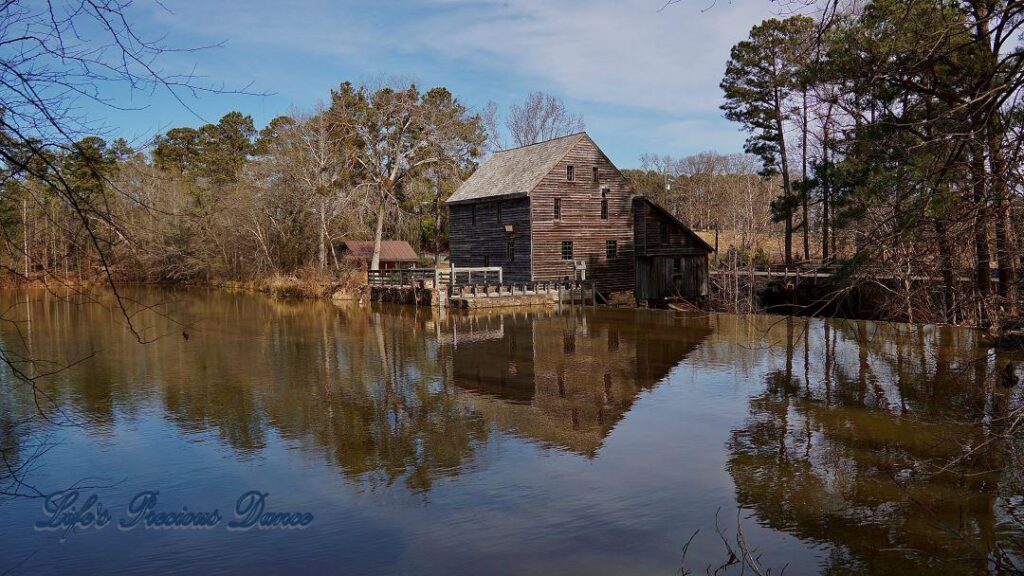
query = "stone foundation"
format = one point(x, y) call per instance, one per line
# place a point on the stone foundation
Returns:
point(407, 295)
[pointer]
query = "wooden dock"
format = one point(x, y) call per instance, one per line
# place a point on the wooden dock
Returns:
point(473, 288)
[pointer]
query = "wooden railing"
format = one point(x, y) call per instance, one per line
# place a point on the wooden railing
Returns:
point(470, 276)
point(399, 277)
point(433, 277)
point(500, 289)
point(559, 290)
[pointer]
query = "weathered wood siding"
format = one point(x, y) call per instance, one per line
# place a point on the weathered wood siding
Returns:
point(650, 225)
point(581, 220)
point(671, 261)
point(657, 279)
point(469, 244)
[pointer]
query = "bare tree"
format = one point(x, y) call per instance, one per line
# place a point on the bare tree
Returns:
point(392, 135)
point(491, 120)
point(57, 56)
point(541, 117)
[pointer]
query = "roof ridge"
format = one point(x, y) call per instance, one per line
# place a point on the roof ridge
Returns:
point(541, 142)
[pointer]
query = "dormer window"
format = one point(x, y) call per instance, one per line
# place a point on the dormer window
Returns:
point(570, 173)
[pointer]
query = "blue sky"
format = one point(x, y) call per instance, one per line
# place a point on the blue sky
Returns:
point(644, 80)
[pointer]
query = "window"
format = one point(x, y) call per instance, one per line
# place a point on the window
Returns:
point(566, 249)
point(596, 174)
point(604, 209)
point(677, 265)
point(558, 208)
point(487, 261)
point(474, 215)
point(510, 251)
point(570, 173)
point(663, 228)
point(498, 213)
point(611, 248)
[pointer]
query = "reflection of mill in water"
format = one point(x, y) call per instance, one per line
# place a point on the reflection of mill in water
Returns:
point(564, 378)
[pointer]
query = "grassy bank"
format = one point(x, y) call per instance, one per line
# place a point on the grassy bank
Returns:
point(284, 286)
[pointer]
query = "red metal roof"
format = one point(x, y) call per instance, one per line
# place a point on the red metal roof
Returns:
point(390, 250)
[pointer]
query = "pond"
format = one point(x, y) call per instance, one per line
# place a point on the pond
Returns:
point(562, 441)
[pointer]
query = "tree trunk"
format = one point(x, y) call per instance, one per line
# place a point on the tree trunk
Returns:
point(437, 228)
point(24, 234)
point(803, 190)
point(378, 236)
point(1001, 205)
point(826, 193)
point(787, 191)
point(982, 257)
point(946, 268)
point(322, 256)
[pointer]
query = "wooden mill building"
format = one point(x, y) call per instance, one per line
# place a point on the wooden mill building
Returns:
point(546, 211)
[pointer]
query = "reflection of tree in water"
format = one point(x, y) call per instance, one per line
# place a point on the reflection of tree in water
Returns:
point(363, 389)
point(389, 394)
point(848, 457)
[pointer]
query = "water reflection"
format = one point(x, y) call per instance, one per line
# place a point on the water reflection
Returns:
point(564, 378)
point(846, 442)
point(830, 432)
point(388, 394)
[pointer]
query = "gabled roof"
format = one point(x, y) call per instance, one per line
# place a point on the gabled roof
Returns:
point(390, 250)
point(686, 229)
point(515, 172)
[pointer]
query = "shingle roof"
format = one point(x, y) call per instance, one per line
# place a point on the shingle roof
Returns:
point(515, 172)
point(390, 250)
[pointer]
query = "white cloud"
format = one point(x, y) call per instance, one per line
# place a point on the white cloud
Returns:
point(622, 52)
point(616, 58)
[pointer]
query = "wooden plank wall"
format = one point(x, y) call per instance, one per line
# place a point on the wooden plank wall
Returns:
point(650, 241)
point(469, 244)
point(656, 280)
point(581, 221)
point(657, 253)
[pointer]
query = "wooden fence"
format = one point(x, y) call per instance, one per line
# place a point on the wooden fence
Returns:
point(434, 277)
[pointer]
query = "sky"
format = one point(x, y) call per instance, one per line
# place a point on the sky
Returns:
point(643, 75)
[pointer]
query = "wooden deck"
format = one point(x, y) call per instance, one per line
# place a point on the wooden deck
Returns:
point(479, 288)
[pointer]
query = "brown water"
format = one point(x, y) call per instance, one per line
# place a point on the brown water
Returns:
point(572, 441)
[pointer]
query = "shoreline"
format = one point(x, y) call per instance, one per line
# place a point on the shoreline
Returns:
point(277, 286)
point(291, 287)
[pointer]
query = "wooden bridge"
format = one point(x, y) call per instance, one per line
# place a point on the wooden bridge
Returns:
point(828, 271)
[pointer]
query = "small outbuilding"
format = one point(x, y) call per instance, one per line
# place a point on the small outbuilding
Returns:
point(394, 254)
point(560, 209)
